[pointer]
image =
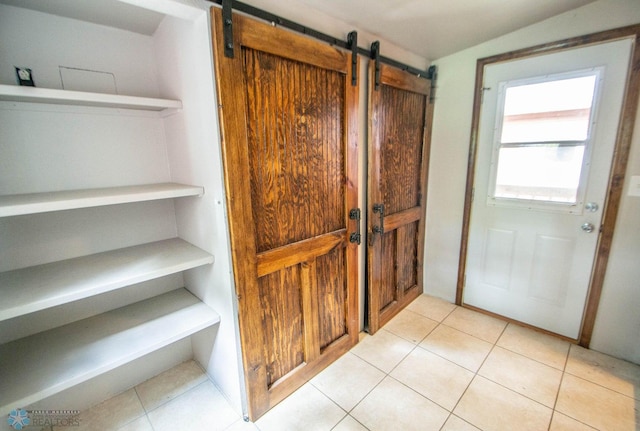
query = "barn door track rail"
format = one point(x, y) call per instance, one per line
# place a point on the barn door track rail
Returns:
point(350, 44)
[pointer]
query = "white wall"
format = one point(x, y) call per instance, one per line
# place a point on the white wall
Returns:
point(47, 43)
point(617, 330)
point(195, 158)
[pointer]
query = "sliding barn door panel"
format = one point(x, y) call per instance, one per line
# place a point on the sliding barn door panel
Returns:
point(289, 148)
point(400, 113)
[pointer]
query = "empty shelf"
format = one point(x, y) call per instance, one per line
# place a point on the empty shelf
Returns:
point(44, 364)
point(32, 203)
point(43, 286)
point(17, 93)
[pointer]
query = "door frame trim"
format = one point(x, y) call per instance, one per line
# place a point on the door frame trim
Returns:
point(618, 168)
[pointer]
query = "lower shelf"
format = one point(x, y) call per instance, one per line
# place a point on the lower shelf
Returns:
point(44, 364)
point(43, 286)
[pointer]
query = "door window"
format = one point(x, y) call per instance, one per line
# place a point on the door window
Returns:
point(542, 135)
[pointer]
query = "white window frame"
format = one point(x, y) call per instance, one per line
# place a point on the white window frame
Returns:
point(534, 204)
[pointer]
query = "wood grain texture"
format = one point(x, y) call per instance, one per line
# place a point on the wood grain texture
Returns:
point(292, 254)
point(288, 117)
point(332, 297)
point(309, 282)
point(396, 78)
point(407, 256)
point(402, 122)
point(400, 118)
point(618, 168)
point(394, 221)
point(388, 289)
point(233, 131)
point(295, 132)
point(286, 44)
point(281, 308)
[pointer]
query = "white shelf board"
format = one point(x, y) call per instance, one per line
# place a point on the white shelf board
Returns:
point(17, 93)
point(39, 287)
point(32, 203)
point(44, 364)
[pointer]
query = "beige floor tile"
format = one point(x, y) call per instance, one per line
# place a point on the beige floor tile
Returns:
point(383, 350)
point(241, 425)
point(541, 347)
point(454, 423)
point(202, 407)
point(350, 424)
point(140, 424)
point(110, 414)
point(306, 409)
point(438, 379)
point(561, 422)
point(612, 373)
point(477, 324)
point(168, 385)
point(456, 346)
point(393, 406)
point(411, 326)
point(597, 406)
point(433, 308)
point(492, 407)
point(348, 380)
point(527, 377)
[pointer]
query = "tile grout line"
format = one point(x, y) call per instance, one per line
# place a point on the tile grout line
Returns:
point(476, 375)
point(416, 346)
point(377, 384)
point(386, 374)
point(564, 371)
point(448, 360)
point(528, 357)
point(591, 381)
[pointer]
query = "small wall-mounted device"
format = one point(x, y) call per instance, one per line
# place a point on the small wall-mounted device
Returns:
point(25, 77)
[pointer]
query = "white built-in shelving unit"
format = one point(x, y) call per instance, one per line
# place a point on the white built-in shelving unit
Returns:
point(60, 358)
point(33, 203)
point(84, 349)
point(103, 198)
point(40, 287)
point(16, 93)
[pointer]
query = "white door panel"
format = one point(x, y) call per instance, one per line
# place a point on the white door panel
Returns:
point(530, 260)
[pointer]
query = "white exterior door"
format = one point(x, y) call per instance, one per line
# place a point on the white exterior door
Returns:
point(547, 130)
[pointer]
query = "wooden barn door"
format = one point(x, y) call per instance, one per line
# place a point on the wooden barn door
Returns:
point(288, 116)
point(400, 115)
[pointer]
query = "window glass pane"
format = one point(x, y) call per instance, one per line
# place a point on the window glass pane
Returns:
point(553, 111)
point(549, 172)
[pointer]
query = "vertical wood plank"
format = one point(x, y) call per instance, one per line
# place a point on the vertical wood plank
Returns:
point(350, 137)
point(399, 156)
point(290, 137)
point(310, 310)
point(282, 298)
point(374, 243)
point(233, 130)
point(402, 129)
point(332, 298)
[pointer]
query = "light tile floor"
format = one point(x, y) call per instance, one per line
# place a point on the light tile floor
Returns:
point(433, 367)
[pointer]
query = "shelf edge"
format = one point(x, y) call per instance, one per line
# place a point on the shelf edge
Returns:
point(17, 93)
